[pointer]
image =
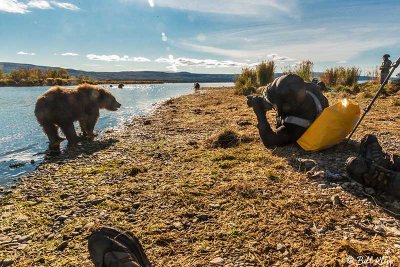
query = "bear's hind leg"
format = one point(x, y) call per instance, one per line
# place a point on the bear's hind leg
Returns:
point(69, 131)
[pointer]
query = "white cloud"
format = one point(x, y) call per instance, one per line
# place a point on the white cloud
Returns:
point(65, 5)
point(175, 63)
point(229, 7)
point(13, 6)
point(22, 53)
point(69, 54)
point(17, 6)
point(164, 37)
point(116, 58)
point(41, 4)
point(341, 62)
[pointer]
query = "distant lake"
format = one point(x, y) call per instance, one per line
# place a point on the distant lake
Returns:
point(22, 139)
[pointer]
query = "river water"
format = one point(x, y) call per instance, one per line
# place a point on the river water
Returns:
point(22, 140)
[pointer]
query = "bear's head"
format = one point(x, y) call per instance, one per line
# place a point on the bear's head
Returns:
point(107, 101)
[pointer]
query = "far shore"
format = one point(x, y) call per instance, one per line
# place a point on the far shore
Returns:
point(114, 83)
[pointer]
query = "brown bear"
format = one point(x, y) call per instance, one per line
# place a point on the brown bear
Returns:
point(61, 107)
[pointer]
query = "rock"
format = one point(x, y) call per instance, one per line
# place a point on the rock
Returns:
point(23, 239)
point(32, 161)
point(6, 262)
point(306, 164)
point(215, 205)
point(17, 165)
point(316, 175)
point(1, 189)
point(22, 246)
point(97, 201)
point(136, 205)
point(22, 218)
point(62, 218)
point(203, 217)
point(88, 226)
point(369, 191)
point(322, 186)
point(280, 247)
point(217, 261)
point(146, 122)
point(62, 246)
point(331, 176)
point(336, 200)
point(177, 225)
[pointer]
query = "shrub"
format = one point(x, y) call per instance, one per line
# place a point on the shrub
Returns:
point(265, 72)
point(341, 76)
point(247, 82)
point(350, 76)
point(225, 139)
point(304, 69)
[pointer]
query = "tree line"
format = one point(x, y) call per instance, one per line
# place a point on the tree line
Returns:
point(38, 77)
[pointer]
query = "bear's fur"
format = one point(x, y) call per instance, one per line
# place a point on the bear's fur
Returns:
point(61, 107)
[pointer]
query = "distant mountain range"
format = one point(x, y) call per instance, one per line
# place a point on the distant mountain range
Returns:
point(7, 67)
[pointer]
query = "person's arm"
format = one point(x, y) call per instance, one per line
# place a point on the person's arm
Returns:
point(282, 136)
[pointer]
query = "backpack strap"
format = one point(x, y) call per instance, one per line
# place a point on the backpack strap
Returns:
point(304, 122)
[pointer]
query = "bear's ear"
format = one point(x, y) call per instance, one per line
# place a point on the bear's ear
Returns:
point(101, 94)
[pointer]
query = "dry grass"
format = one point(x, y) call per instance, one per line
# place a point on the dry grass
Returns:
point(189, 203)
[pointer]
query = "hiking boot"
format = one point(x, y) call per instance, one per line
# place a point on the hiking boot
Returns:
point(373, 175)
point(370, 149)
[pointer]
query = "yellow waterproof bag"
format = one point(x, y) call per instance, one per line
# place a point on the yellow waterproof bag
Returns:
point(331, 127)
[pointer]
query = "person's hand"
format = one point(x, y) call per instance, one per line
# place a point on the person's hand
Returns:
point(259, 102)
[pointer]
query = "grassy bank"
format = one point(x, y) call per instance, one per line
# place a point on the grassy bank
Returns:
point(165, 178)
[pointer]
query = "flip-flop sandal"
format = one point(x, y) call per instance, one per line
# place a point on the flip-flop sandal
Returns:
point(112, 247)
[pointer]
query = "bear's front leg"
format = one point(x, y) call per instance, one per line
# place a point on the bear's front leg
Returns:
point(89, 122)
point(70, 133)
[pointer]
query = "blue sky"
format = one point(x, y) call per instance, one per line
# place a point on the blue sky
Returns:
point(203, 36)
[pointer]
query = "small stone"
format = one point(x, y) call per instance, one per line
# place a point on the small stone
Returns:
point(280, 247)
point(97, 201)
point(203, 217)
point(147, 122)
point(306, 164)
point(215, 205)
point(32, 161)
point(88, 226)
point(22, 218)
point(62, 218)
point(22, 246)
point(136, 205)
point(217, 261)
point(177, 225)
point(62, 246)
point(50, 236)
point(6, 262)
point(23, 239)
point(370, 191)
point(322, 186)
point(336, 200)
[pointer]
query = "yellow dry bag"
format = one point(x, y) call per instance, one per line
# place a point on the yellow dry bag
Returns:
point(331, 127)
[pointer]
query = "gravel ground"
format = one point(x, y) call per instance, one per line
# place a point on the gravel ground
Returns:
point(194, 205)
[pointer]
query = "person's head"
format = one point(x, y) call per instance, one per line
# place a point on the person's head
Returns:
point(386, 56)
point(290, 93)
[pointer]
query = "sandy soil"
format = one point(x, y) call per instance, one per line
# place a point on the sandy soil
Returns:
point(193, 205)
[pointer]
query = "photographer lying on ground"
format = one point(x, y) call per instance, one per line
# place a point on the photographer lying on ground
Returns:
point(297, 103)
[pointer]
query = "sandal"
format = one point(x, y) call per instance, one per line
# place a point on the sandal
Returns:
point(111, 247)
